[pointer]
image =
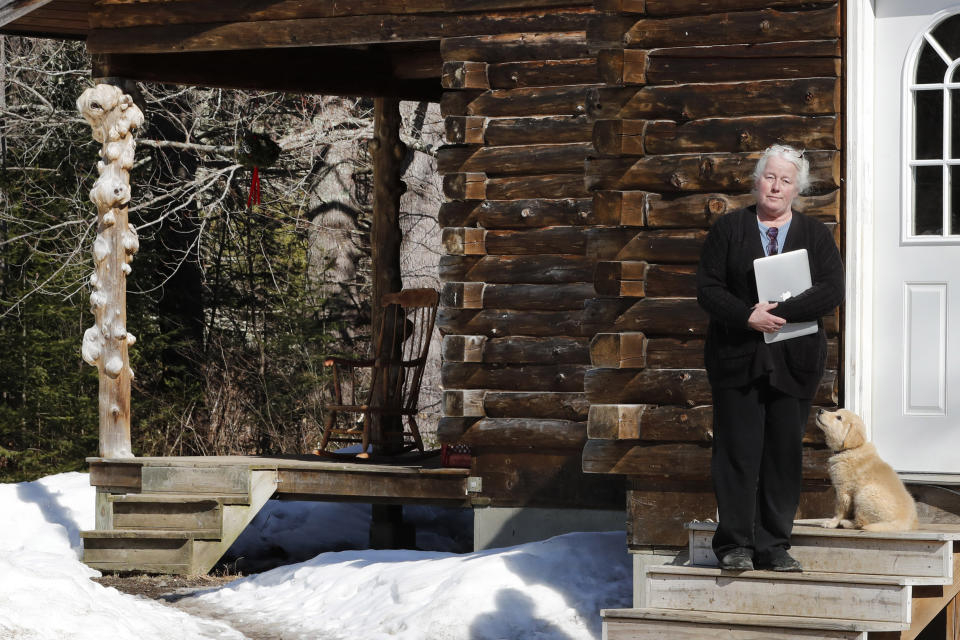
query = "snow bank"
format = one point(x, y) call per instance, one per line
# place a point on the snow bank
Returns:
point(46, 592)
point(550, 590)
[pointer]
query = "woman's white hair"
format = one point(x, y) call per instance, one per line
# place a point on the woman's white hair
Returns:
point(791, 155)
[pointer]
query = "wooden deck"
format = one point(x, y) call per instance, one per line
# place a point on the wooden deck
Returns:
point(179, 515)
point(298, 478)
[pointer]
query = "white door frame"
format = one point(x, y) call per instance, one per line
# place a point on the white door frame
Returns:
point(860, 117)
point(859, 125)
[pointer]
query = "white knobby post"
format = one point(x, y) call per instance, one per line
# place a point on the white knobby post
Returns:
point(112, 115)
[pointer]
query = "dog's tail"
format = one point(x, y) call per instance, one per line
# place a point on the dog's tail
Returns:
point(905, 524)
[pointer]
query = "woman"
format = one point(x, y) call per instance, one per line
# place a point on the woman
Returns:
point(762, 392)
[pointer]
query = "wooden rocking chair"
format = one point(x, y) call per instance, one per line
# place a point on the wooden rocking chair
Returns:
point(388, 385)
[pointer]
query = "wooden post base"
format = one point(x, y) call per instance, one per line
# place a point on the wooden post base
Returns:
point(388, 530)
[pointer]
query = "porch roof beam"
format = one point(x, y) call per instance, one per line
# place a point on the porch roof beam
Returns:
point(408, 73)
point(318, 31)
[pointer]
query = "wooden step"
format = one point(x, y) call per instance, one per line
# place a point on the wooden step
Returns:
point(173, 530)
point(884, 599)
point(179, 498)
point(920, 554)
point(150, 551)
point(150, 534)
point(169, 511)
point(657, 624)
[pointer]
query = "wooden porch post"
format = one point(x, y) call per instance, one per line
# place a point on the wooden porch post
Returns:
point(112, 116)
point(388, 153)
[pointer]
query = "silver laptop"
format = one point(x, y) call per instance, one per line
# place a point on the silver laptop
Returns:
point(779, 278)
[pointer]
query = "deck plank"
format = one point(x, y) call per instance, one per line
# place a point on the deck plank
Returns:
point(833, 595)
point(760, 620)
point(299, 477)
point(925, 555)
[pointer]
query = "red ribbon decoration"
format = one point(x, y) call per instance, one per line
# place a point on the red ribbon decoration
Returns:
point(254, 195)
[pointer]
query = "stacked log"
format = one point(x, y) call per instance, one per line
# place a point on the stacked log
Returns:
point(522, 241)
point(693, 92)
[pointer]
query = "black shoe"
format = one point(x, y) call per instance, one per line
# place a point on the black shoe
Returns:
point(740, 559)
point(779, 560)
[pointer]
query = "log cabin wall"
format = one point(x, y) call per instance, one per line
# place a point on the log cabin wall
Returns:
point(693, 91)
point(522, 241)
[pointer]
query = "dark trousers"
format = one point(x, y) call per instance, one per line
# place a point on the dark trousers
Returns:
point(757, 466)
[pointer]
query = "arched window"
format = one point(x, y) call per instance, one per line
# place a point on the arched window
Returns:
point(932, 194)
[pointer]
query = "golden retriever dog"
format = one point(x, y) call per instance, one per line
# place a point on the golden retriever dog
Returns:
point(870, 496)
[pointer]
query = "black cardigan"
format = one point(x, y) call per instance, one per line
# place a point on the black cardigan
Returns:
point(734, 353)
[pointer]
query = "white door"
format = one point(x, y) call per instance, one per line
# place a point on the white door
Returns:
point(916, 278)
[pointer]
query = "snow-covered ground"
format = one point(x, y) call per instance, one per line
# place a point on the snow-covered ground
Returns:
point(550, 590)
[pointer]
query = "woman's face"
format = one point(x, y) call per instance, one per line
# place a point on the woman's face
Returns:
point(776, 187)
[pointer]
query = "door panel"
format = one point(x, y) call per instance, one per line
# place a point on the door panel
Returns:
point(925, 316)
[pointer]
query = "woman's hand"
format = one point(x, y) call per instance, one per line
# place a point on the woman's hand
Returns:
point(762, 320)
